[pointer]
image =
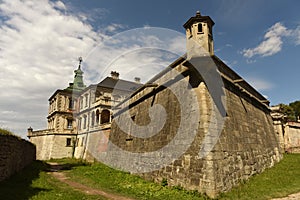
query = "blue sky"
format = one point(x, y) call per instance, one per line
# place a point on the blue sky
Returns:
point(41, 40)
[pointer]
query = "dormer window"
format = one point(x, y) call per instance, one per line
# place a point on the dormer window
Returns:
point(200, 29)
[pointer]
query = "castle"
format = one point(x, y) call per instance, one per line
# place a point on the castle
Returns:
point(217, 129)
point(77, 111)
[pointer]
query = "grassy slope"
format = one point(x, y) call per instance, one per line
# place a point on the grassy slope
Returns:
point(279, 181)
point(105, 178)
point(35, 183)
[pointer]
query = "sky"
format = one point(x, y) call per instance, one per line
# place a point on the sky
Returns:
point(40, 42)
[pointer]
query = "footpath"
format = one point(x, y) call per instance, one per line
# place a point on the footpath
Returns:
point(54, 171)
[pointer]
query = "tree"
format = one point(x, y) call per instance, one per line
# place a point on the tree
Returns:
point(288, 111)
point(296, 107)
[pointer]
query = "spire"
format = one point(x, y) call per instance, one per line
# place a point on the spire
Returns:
point(77, 84)
point(80, 60)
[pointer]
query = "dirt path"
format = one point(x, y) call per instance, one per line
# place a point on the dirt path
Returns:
point(290, 197)
point(54, 167)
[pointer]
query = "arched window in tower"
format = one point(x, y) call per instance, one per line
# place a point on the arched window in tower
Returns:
point(97, 117)
point(93, 119)
point(105, 116)
point(200, 29)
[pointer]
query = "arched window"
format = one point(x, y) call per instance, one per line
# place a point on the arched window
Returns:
point(93, 119)
point(97, 117)
point(105, 116)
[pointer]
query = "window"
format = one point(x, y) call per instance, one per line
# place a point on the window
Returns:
point(85, 121)
point(200, 28)
point(71, 103)
point(105, 116)
point(68, 143)
point(107, 99)
point(93, 119)
point(82, 141)
point(97, 116)
point(69, 123)
point(86, 100)
point(79, 123)
point(81, 102)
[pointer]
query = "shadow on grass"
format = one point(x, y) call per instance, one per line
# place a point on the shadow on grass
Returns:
point(19, 186)
point(33, 180)
point(64, 165)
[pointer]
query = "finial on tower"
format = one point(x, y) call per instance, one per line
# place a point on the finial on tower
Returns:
point(80, 61)
point(198, 13)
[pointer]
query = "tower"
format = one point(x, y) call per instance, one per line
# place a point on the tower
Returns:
point(199, 29)
point(77, 84)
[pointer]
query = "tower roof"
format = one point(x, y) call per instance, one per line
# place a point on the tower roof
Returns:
point(77, 84)
point(198, 18)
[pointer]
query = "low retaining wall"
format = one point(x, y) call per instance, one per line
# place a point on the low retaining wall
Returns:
point(15, 154)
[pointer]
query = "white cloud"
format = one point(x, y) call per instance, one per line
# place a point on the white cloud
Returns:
point(148, 48)
point(39, 45)
point(296, 34)
point(259, 84)
point(272, 43)
point(113, 28)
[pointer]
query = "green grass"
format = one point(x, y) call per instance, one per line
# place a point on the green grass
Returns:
point(110, 180)
point(35, 183)
point(7, 132)
point(279, 181)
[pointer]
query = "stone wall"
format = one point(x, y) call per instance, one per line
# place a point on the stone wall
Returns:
point(15, 154)
point(247, 144)
point(292, 137)
point(53, 146)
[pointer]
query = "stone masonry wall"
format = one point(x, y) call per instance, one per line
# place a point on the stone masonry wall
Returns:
point(247, 144)
point(52, 146)
point(15, 154)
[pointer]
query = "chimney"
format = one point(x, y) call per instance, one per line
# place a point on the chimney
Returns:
point(114, 74)
point(137, 79)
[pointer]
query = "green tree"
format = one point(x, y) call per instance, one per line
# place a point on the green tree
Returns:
point(288, 111)
point(296, 107)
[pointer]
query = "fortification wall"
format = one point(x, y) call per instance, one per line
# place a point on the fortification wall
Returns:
point(53, 146)
point(15, 154)
point(292, 137)
point(247, 144)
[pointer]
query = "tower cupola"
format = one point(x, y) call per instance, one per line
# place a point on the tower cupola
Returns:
point(199, 29)
point(77, 84)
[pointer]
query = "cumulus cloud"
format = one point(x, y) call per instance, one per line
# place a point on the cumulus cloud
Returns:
point(39, 42)
point(272, 43)
point(140, 52)
point(39, 45)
